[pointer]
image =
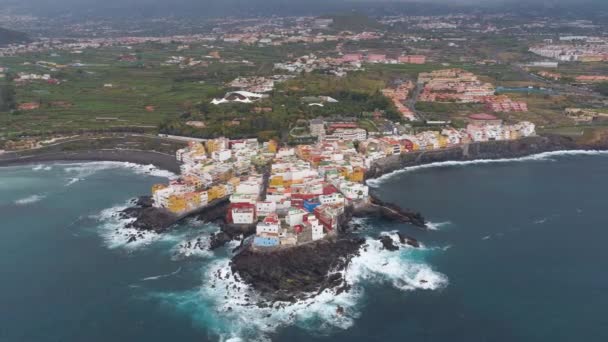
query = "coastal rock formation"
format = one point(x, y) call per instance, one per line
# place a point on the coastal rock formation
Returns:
point(481, 150)
point(294, 273)
point(408, 240)
point(387, 243)
point(159, 220)
point(147, 217)
point(378, 208)
point(219, 239)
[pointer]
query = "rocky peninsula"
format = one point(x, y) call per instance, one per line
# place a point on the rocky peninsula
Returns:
point(288, 274)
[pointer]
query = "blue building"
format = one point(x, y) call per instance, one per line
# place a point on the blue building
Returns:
point(266, 241)
point(310, 206)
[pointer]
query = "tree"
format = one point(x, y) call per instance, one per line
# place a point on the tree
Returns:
point(602, 88)
point(7, 97)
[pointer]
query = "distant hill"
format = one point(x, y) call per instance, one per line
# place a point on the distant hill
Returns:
point(353, 22)
point(11, 37)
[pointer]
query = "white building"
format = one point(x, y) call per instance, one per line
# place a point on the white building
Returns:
point(284, 152)
point(204, 197)
point(352, 190)
point(250, 187)
point(265, 208)
point(295, 216)
point(334, 198)
point(243, 215)
point(221, 155)
point(271, 228)
point(316, 226)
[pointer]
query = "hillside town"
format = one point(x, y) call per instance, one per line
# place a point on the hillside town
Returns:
point(296, 195)
point(574, 49)
point(457, 85)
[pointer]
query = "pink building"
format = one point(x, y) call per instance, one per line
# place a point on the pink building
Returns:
point(375, 57)
point(412, 59)
point(352, 57)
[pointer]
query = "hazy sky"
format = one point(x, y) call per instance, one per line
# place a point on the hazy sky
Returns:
point(258, 7)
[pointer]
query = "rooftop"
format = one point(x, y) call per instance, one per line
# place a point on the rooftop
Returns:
point(482, 116)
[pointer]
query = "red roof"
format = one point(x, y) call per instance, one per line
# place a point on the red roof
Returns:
point(482, 116)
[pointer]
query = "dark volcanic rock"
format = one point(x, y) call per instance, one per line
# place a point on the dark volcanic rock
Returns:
point(387, 243)
point(218, 240)
point(289, 274)
point(486, 150)
point(235, 230)
point(390, 211)
point(149, 218)
point(144, 201)
point(408, 240)
point(393, 211)
point(214, 212)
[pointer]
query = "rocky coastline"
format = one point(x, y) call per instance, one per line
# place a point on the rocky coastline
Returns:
point(484, 150)
point(295, 273)
point(160, 160)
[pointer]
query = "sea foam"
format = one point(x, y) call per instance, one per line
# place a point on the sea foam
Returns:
point(227, 305)
point(30, 199)
point(115, 232)
point(437, 225)
point(41, 167)
point(545, 156)
point(83, 170)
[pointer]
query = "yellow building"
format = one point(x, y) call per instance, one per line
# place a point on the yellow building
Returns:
point(192, 199)
point(443, 141)
point(276, 181)
point(198, 148)
point(177, 204)
point(357, 175)
point(193, 180)
point(157, 187)
point(216, 192)
point(272, 146)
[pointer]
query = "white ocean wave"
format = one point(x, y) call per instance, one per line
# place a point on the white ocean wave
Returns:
point(163, 275)
point(115, 233)
point(437, 225)
point(228, 305)
point(72, 181)
point(41, 167)
point(197, 247)
point(394, 235)
point(545, 156)
point(30, 199)
point(83, 170)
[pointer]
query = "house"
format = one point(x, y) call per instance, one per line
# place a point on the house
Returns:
point(269, 226)
point(28, 106)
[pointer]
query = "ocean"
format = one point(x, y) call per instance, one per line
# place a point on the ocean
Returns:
point(514, 254)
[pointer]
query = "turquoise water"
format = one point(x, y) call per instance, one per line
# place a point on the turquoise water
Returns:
point(516, 256)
